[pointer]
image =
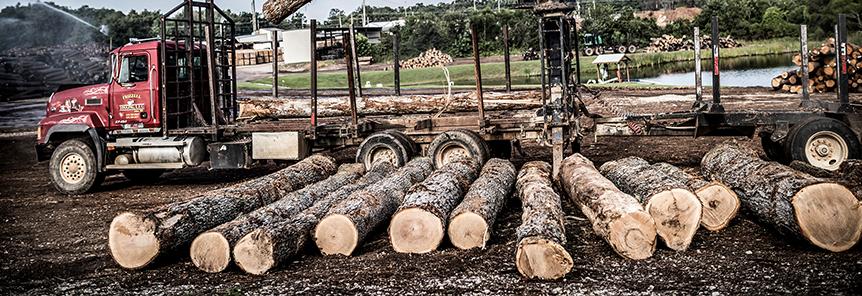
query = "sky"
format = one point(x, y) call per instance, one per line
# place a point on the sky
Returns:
point(317, 9)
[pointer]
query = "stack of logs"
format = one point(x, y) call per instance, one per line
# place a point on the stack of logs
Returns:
point(822, 70)
point(430, 58)
point(671, 43)
point(34, 72)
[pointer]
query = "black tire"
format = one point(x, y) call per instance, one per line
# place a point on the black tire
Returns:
point(468, 140)
point(412, 148)
point(632, 49)
point(382, 142)
point(599, 51)
point(621, 49)
point(146, 176)
point(73, 168)
point(797, 144)
point(588, 51)
point(773, 150)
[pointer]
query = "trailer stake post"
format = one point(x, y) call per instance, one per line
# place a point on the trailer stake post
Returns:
point(716, 80)
point(274, 63)
point(803, 51)
point(698, 72)
point(312, 27)
point(478, 71)
point(506, 59)
point(396, 56)
point(841, 52)
point(351, 87)
point(355, 58)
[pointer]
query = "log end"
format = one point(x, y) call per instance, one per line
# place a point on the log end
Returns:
point(132, 240)
point(210, 252)
point(468, 230)
point(829, 216)
point(542, 259)
point(720, 206)
point(632, 235)
point(254, 252)
point(677, 214)
point(336, 235)
point(415, 230)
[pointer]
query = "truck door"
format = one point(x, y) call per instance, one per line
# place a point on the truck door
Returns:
point(134, 91)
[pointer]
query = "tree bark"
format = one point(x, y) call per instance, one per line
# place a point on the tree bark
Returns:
point(210, 251)
point(675, 210)
point(720, 203)
point(275, 11)
point(418, 225)
point(541, 249)
point(796, 204)
point(267, 108)
point(617, 217)
point(471, 221)
point(135, 239)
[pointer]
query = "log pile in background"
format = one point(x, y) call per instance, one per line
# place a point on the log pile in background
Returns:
point(617, 217)
point(671, 43)
point(418, 225)
point(348, 222)
point(430, 58)
point(675, 210)
point(210, 251)
point(541, 249)
point(796, 204)
point(34, 72)
point(720, 203)
point(136, 239)
point(822, 70)
point(471, 221)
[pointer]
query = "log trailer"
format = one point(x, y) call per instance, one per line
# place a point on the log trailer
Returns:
point(171, 103)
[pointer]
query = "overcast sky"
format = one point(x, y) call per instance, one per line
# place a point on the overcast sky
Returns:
point(318, 9)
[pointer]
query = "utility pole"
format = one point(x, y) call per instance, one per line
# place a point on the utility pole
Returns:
point(254, 24)
point(474, 5)
point(364, 16)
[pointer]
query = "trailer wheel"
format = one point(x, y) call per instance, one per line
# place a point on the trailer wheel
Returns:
point(412, 149)
point(599, 51)
point(73, 168)
point(143, 176)
point(633, 49)
point(382, 146)
point(457, 143)
point(774, 151)
point(621, 49)
point(823, 142)
point(588, 51)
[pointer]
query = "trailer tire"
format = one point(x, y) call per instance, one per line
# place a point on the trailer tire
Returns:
point(412, 149)
point(621, 49)
point(73, 168)
point(823, 142)
point(632, 49)
point(147, 176)
point(383, 146)
point(773, 150)
point(456, 143)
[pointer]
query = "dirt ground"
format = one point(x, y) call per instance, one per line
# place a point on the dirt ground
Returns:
point(56, 244)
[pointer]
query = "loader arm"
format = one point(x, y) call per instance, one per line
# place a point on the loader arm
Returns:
point(276, 11)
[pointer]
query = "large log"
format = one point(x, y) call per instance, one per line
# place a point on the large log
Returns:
point(210, 251)
point(720, 203)
point(136, 238)
point(276, 11)
point(675, 210)
point(617, 217)
point(796, 204)
point(418, 225)
point(263, 107)
point(541, 249)
point(471, 221)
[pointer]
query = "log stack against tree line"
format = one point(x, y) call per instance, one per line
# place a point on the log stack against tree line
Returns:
point(210, 251)
point(430, 58)
point(671, 43)
point(471, 221)
point(675, 210)
point(823, 70)
point(720, 203)
point(270, 108)
point(617, 217)
point(350, 221)
point(796, 204)
point(135, 239)
point(272, 243)
point(419, 224)
point(541, 249)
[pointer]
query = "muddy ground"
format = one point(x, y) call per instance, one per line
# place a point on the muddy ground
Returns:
point(56, 244)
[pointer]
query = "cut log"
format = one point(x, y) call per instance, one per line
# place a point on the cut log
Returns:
point(675, 210)
point(418, 225)
point(794, 203)
point(276, 11)
point(541, 249)
point(262, 107)
point(471, 221)
point(720, 203)
point(617, 217)
point(135, 239)
point(210, 251)
point(349, 222)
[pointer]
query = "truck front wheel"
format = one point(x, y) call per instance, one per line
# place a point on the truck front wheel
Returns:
point(73, 168)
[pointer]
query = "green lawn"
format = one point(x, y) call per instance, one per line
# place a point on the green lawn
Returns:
point(491, 72)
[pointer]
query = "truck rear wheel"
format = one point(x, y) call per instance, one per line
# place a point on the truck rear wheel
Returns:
point(384, 146)
point(621, 49)
point(457, 143)
point(823, 142)
point(73, 168)
point(143, 176)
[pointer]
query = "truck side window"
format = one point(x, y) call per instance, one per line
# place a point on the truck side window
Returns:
point(134, 69)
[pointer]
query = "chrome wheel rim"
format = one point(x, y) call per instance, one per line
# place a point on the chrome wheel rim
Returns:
point(73, 168)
